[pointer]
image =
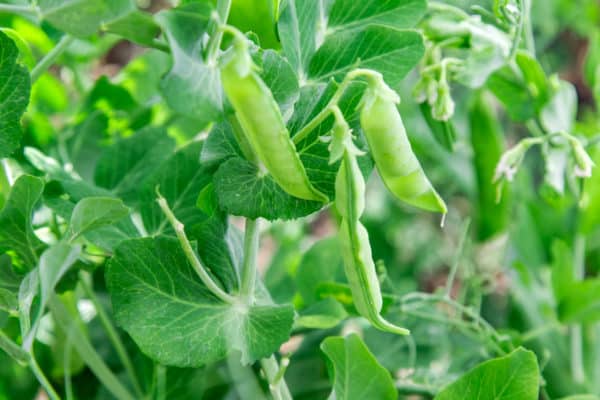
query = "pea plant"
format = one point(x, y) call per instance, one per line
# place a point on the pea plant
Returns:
point(228, 199)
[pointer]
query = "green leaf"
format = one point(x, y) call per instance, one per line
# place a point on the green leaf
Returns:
point(321, 263)
point(14, 96)
point(355, 372)
point(325, 314)
point(192, 87)
point(8, 301)
point(392, 52)
point(136, 26)
point(124, 165)
point(180, 179)
point(220, 247)
point(515, 376)
point(83, 18)
point(512, 93)
point(299, 25)
point(279, 76)
point(241, 190)
point(396, 14)
point(16, 231)
point(95, 212)
point(219, 146)
point(159, 300)
point(54, 264)
point(9, 280)
point(534, 75)
point(581, 303)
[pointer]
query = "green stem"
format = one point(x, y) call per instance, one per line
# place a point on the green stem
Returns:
point(251, 237)
point(457, 257)
point(161, 382)
point(39, 374)
point(278, 388)
point(18, 9)
point(87, 352)
point(51, 57)
point(223, 8)
point(113, 336)
point(328, 109)
point(13, 349)
point(527, 27)
point(577, 369)
point(191, 254)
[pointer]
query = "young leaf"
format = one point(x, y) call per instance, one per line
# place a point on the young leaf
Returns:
point(325, 314)
point(396, 14)
point(355, 372)
point(16, 231)
point(171, 315)
point(581, 303)
point(14, 96)
point(83, 18)
point(192, 87)
point(95, 212)
point(515, 376)
point(559, 114)
point(392, 52)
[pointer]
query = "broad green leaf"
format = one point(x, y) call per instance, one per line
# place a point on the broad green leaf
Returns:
point(279, 76)
point(14, 96)
point(325, 314)
point(16, 231)
point(241, 190)
point(355, 372)
point(9, 280)
point(180, 179)
point(321, 263)
point(220, 247)
point(95, 212)
point(85, 143)
point(54, 264)
point(534, 75)
point(581, 303)
point(301, 27)
point(83, 18)
point(512, 93)
point(159, 300)
point(390, 51)
point(559, 114)
point(127, 163)
point(136, 26)
point(515, 376)
point(219, 146)
point(399, 14)
point(192, 87)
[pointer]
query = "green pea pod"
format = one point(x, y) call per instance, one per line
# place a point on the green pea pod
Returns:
point(263, 124)
point(399, 168)
point(487, 141)
point(356, 250)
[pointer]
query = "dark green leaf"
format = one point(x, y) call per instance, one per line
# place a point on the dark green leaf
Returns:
point(397, 14)
point(95, 212)
point(581, 303)
point(515, 376)
point(136, 26)
point(279, 76)
point(159, 300)
point(16, 231)
point(14, 96)
point(392, 52)
point(324, 314)
point(83, 18)
point(192, 87)
point(355, 372)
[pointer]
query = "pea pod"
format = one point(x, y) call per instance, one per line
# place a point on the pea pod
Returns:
point(399, 168)
point(263, 124)
point(356, 250)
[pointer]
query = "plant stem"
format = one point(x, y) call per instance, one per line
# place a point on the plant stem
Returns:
point(527, 27)
point(18, 9)
point(161, 382)
point(577, 369)
point(223, 7)
point(51, 57)
point(278, 388)
point(191, 254)
point(12, 349)
point(457, 257)
point(87, 352)
point(113, 336)
point(39, 374)
point(251, 237)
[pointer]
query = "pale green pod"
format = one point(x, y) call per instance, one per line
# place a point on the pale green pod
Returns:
point(263, 125)
point(398, 167)
point(356, 250)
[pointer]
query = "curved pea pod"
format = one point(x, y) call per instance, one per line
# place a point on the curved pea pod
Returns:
point(399, 168)
point(263, 125)
point(356, 250)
